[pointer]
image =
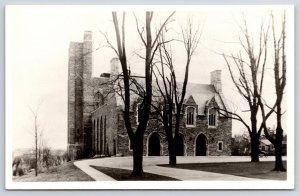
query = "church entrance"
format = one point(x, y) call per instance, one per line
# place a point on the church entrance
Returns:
point(201, 145)
point(179, 143)
point(154, 145)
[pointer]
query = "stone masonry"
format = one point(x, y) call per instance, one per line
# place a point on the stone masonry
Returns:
point(95, 117)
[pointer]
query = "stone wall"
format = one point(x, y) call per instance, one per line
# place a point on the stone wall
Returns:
point(88, 92)
point(88, 135)
point(222, 132)
point(80, 97)
point(106, 132)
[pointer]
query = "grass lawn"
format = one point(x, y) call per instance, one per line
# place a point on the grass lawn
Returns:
point(66, 172)
point(124, 175)
point(260, 170)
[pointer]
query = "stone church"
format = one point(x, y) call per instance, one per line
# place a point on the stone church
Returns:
point(95, 117)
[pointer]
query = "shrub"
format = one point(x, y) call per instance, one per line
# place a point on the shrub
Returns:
point(21, 172)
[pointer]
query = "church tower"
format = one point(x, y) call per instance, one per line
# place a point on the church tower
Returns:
point(80, 97)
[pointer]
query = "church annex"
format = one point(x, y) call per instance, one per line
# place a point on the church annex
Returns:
point(95, 120)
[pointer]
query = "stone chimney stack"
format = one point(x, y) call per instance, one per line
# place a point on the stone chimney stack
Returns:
point(215, 79)
point(114, 66)
point(87, 54)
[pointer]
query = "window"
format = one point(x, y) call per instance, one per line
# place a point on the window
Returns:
point(173, 107)
point(212, 117)
point(99, 99)
point(190, 115)
point(94, 135)
point(220, 145)
point(130, 145)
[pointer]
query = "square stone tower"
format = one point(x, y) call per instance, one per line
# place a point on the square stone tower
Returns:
point(80, 97)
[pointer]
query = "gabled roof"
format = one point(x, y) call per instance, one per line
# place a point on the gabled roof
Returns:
point(265, 142)
point(202, 94)
point(196, 94)
point(190, 101)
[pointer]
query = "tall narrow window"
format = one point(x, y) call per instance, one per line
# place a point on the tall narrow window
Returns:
point(104, 137)
point(101, 136)
point(98, 136)
point(190, 114)
point(212, 117)
point(94, 135)
point(220, 145)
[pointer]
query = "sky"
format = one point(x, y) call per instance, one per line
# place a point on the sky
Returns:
point(37, 42)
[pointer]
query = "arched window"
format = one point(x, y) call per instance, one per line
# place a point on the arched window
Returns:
point(212, 121)
point(190, 116)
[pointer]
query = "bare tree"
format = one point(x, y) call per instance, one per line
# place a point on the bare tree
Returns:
point(170, 90)
point(280, 82)
point(249, 81)
point(37, 132)
point(151, 45)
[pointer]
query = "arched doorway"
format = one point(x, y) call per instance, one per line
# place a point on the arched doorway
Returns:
point(154, 145)
point(201, 145)
point(179, 143)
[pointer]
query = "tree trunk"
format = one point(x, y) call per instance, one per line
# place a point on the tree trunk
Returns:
point(137, 157)
point(255, 148)
point(36, 151)
point(278, 151)
point(278, 158)
point(172, 152)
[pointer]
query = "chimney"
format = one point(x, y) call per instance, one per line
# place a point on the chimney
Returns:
point(114, 66)
point(88, 36)
point(215, 79)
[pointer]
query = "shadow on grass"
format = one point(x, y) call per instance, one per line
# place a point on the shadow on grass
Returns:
point(124, 175)
point(260, 170)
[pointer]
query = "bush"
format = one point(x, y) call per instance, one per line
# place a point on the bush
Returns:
point(14, 172)
point(21, 172)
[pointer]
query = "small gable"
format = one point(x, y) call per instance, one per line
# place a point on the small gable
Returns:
point(190, 101)
point(212, 102)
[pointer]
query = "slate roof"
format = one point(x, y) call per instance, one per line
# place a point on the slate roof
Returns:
point(265, 142)
point(201, 93)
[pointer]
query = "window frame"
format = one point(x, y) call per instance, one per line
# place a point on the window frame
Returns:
point(220, 142)
point(194, 116)
point(215, 119)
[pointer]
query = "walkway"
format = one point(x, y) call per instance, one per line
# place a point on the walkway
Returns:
point(150, 166)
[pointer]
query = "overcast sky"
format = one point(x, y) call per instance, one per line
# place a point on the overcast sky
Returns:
point(38, 37)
